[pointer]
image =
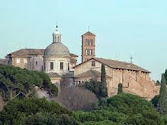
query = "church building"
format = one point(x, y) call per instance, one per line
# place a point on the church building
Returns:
point(135, 80)
point(57, 61)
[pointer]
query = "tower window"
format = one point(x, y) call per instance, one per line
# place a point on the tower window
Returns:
point(93, 63)
point(91, 52)
point(86, 52)
point(61, 65)
point(91, 42)
point(86, 42)
point(51, 65)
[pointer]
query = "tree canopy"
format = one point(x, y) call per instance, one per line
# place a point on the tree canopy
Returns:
point(15, 81)
point(121, 109)
point(163, 96)
point(98, 88)
point(21, 111)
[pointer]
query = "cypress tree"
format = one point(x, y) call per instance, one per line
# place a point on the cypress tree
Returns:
point(103, 74)
point(163, 96)
point(103, 87)
point(120, 90)
point(165, 74)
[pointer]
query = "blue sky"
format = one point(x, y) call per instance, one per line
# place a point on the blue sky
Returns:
point(124, 28)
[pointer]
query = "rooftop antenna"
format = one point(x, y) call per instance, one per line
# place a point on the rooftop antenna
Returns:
point(131, 59)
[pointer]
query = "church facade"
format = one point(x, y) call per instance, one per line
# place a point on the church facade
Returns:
point(135, 80)
point(57, 61)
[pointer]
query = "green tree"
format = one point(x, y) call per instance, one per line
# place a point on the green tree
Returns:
point(49, 119)
point(120, 89)
point(15, 82)
point(155, 100)
point(165, 74)
point(17, 110)
point(163, 96)
point(103, 74)
point(122, 109)
point(103, 86)
point(158, 82)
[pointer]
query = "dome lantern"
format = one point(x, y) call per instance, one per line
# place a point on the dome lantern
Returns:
point(56, 35)
point(57, 49)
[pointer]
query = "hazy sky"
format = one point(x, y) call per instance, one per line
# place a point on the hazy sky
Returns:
point(124, 28)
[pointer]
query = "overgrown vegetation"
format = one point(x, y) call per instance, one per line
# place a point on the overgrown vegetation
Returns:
point(77, 98)
point(118, 110)
point(163, 96)
point(16, 82)
point(122, 109)
point(98, 88)
point(35, 112)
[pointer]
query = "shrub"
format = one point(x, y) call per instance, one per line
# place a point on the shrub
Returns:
point(18, 109)
point(15, 81)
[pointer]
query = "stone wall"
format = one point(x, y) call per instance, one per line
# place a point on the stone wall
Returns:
point(56, 65)
point(134, 82)
point(30, 63)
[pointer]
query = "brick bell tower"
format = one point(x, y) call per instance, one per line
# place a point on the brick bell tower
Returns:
point(88, 46)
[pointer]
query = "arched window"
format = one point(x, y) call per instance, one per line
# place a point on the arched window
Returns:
point(91, 42)
point(86, 52)
point(86, 42)
point(91, 52)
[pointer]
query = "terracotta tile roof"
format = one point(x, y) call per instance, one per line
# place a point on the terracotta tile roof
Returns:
point(88, 33)
point(23, 52)
point(120, 64)
point(117, 64)
point(73, 61)
point(73, 55)
point(89, 73)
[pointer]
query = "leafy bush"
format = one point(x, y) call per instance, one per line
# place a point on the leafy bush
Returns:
point(49, 119)
point(96, 87)
point(99, 115)
point(18, 109)
point(15, 81)
point(127, 104)
point(155, 100)
point(121, 109)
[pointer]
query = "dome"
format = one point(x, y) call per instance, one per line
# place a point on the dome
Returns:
point(57, 49)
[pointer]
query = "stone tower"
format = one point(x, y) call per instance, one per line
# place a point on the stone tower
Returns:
point(88, 46)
